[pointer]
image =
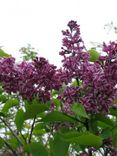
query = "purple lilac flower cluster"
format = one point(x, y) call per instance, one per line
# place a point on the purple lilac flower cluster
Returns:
point(111, 150)
point(29, 79)
point(73, 51)
point(68, 97)
point(98, 90)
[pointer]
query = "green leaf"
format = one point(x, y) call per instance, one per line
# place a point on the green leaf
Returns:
point(113, 111)
point(78, 148)
point(1, 142)
point(104, 119)
point(3, 98)
point(39, 132)
point(106, 133)
point(82, 138)
point(39, 129)
point(93, 126)
point(57, 117)
point(57, 103)
point(34, 109)
point(3, 54)
point(39, 126)
point(94, 55)
point(36, 149)
point(74, 83)
point(58, 146)
point(79, 110)
point(19, 119)
point(1, 89)
point(10, 103)
point(114, 136)
point(55, 92)
point(114, 131)
point(13, 142)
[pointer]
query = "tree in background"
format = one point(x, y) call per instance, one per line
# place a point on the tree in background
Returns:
point(28, 53)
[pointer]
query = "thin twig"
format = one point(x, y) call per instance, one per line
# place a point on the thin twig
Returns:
point(77, 82)
point(101, 152)
point(14, 134)
point(49, 136)
point(24, 138)
point(87, 125)
point(75, 119)
point(31, 131)
point(10, 147)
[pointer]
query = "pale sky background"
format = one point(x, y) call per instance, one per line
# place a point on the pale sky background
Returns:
point(39, 22)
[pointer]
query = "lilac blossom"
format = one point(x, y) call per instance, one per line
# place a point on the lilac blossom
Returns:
point(68, 97)
point(8, 75)
point(97, 91)
point(111, 50)
point(73, 51)
point(29, 79)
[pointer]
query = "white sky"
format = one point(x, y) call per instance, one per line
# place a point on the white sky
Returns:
point(39, 22)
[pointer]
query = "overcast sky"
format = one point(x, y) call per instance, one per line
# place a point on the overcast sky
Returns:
point(39, 22)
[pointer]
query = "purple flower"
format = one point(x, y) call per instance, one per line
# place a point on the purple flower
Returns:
point(99, 79)
point(111, 50)
point(30, 79)
point(72, 24)
point(73, 51)
point(72, 42)
point(99, 93)
point(68, 97)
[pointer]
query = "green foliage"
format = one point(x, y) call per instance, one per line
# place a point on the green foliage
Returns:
point(57, 117)
point(1, 142)
point(19, 119)
point(114, 136)
point(57, 103)
point(94, 55)
point(104, 120)
point(34, 109)
point(106, 133)
point(84, 138)
point(3, 54)
point(28, 53)
point(9, 104)
point(113, 111)
point(58, 146)
point(79, 110)
point(3, 98)
point(36, 149)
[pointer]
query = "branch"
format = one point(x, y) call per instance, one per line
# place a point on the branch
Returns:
point(32, 127)
point(14, 134)
point(24, 138)
point(10, 147)
point(75, 119)
point(49, 136)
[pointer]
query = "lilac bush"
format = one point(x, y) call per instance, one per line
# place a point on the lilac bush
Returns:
point(74, 106)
